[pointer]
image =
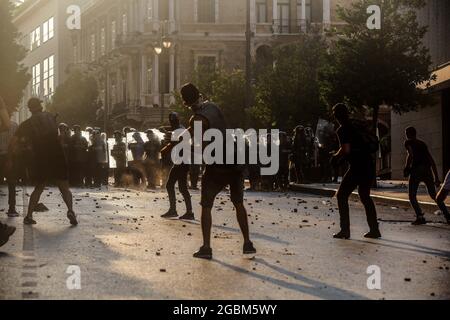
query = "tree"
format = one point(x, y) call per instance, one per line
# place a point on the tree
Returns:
point(226, 88)
point(288, 94)
point(75, 101)
point(13, 74)
point(369, 68)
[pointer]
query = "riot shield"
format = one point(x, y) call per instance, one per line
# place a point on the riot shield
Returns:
point(87, 136)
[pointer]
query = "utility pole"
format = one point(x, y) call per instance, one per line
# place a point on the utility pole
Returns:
point(248, 58)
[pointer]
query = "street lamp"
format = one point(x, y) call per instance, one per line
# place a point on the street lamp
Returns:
point(167, 43)
point(158, 49)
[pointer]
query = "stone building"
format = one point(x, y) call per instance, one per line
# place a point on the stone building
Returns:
point(42, 25)
point(143, 50)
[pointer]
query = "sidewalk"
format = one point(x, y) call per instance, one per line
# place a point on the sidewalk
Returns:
point(393, 193)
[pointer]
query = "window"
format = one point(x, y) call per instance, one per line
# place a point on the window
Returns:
point(93, 53)
point(283, 16)
point(124, 24)
point(103, 41)
point(48, 30)
point(113, 34)
point(261, 11)
point(48, 76)
point(206, 64)
point(149, 9)
point(206, 11)
point(149, 74)
point(36, 80)
point(35, 37)
point(307, 10)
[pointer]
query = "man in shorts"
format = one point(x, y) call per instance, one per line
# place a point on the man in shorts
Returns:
point(216, 176)
point(41, 131)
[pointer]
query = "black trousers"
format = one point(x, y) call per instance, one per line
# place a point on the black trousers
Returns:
point(194, 174)
point(361, 179)
point(179, 173)
point(425, 175)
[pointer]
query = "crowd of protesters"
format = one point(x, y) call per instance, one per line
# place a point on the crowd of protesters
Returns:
point(40, 151)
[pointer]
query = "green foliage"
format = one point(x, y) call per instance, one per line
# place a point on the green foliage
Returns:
point(13, 74)
point(226, 88)
point(289, 93)
point(369, 68)
point(75, 101)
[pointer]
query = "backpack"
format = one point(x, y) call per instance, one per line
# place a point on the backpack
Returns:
point(369, 140)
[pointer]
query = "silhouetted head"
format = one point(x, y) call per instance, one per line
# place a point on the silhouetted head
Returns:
point(341, 113)
point(411, 133)
point(35, 105)
point(190, 94)
point(174, 120)
point(76, 129)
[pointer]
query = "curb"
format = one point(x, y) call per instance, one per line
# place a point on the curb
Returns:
point(330, 192)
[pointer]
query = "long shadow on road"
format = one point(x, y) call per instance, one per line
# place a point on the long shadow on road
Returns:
point(316, 288)
point(418, 248)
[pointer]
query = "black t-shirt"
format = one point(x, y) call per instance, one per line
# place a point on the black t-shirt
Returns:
point(358, 153)
point(42, 132)
point(420, 153)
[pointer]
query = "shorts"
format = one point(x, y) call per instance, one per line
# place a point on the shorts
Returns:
point(447, 182)
point(215, 179)
point(50, 167)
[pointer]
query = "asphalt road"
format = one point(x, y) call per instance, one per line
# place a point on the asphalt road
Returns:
point(122, 249)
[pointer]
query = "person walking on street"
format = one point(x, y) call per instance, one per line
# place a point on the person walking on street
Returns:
point(421, 167)
point(355, 147)
point(50, 164)
point(178, 173)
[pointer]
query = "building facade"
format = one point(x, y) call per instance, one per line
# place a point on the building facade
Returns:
point(42, 25)
point(143, 50)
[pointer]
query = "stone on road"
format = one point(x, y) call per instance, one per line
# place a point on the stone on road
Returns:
point(124, 250)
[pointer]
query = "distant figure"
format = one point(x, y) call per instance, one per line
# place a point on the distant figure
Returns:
point(5, 125)
point(421, 167)
point(9, 167)
point(152, 149)
point(101, 158)
point(78, 148)
point(282, 179)
point(298, 153)
point(443, 193)
point(64, 138)
point(48, 157)
point(356, 150)
point(178, 174)
point(119, 153)
point(136, 166)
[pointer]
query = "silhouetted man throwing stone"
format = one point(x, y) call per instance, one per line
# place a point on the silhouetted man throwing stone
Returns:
point(216, 176)
point(50, 164)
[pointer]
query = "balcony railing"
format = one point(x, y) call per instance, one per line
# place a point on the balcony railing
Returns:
point(288, 26)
